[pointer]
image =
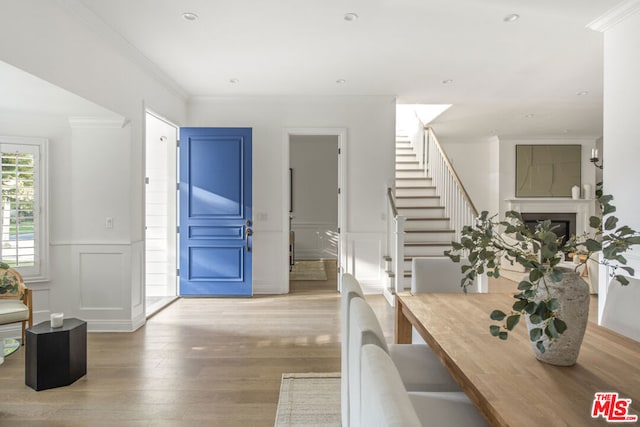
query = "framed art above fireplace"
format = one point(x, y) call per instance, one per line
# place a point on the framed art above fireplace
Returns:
point(547, 170)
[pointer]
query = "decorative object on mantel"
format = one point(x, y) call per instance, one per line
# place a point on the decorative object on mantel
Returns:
point(594, 158)
point(575, 192)
point(548, 294)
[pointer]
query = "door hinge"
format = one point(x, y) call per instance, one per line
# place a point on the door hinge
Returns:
point(338, 229)
point(178, 229)
point(339, 190)
point(177, 272)
point(146, 179)
point(178, 143)
point(339, 151)
point(177, 186)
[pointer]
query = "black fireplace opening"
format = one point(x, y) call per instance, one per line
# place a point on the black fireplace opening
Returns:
point(565, 222)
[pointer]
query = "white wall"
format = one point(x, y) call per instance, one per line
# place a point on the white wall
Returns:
point(370, 124)
point(477, 164)
point(621, 141)
point(314, 160)
point(96, 274)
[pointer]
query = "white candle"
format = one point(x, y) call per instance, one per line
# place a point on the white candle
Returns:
point(56, 320)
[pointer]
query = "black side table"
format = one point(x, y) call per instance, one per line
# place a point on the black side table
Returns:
point(55, 357)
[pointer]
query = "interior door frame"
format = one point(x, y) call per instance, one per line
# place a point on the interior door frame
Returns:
point(341, 134)
point(149, 111)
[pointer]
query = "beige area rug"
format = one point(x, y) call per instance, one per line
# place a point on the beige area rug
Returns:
point(308, 270)
point(310, 399)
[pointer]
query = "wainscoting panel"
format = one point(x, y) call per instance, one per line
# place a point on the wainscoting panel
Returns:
point(104, 285)
point(315, 240)
point(364, 259)
point(270, 263)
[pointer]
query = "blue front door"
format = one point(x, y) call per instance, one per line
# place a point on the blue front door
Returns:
point(215, 212)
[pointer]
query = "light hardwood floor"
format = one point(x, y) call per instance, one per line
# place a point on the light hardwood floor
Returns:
point(209, 362)
point(199, 362)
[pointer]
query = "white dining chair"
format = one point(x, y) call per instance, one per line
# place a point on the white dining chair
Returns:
point(385, 402)
point(419, 368)
point(620, 312)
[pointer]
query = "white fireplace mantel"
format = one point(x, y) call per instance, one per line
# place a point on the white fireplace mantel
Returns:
point(583, 208)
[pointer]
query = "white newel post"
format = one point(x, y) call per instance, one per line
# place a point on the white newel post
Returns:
point(398, 256)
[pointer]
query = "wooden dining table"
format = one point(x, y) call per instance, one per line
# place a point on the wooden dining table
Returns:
point(509, 386)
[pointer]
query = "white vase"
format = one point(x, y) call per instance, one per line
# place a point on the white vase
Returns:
point(575, 192)
point(573, 298)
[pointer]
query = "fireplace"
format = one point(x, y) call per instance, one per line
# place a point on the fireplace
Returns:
point(564, 221)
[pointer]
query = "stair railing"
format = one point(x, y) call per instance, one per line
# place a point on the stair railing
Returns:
point(457, 203)
point(396, 241)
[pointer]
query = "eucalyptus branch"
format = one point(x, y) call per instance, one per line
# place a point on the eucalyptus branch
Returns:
point(540, 251)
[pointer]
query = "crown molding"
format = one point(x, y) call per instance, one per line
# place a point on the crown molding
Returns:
point(96, 24)
point(614, 16)
point(88, 122)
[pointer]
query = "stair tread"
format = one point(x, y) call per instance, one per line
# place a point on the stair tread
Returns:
point(417, 197)
point(427, 243)
point(419, 230)
point(415, 218)
point(421, 207)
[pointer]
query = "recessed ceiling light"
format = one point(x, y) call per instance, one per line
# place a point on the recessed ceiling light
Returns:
point(583, 93)
point(512, 17)
point(351, 16)
point(447, 82)
point(528, 116)
point(341, 81)
point(234, 81)
point(189, 16)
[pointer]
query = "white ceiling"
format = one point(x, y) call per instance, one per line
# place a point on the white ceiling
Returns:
point(501, 72)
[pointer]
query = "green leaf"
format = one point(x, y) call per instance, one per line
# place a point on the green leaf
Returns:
point(593, 245)
point(503, 335)
point(531, 307)
point(494, 330)
point(623, 280)
point(556, 276)
point(550, 331)
point(524, 285)
point(497, 315)
point(535, 319)
point(512, 321)
point(520, 305)
point(535, 275)
point(610, 223)
point(535, 334)
point(629, 270)
point(608, 209)
point(595, 221)
point(540, 347)
point(553, 304)
point(559, 325)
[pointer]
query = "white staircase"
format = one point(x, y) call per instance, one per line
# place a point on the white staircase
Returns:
point(428, 231)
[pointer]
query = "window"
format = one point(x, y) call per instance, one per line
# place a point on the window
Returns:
point(23, 220)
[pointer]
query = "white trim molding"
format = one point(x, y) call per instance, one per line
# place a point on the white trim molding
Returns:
point(614, 16)
point(341, 133)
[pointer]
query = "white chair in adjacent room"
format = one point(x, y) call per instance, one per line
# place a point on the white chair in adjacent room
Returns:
point(419, 368)
point(620, 312)
point(385, 402)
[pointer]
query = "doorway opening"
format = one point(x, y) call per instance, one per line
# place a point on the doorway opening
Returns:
point(315, 209)
point(161, 139)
